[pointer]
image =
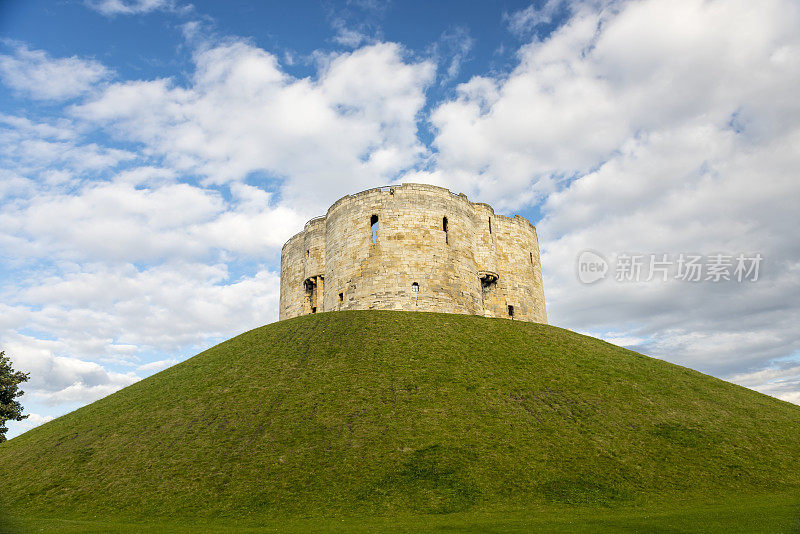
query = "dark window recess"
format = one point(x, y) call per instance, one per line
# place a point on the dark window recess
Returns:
point(341, 297)
point(490, 225)
point(444, 227)
point(373, 223)
point(313, 310)
point(531, 258)
point(307, 252)
point(488, 280)
point(510, 311)
point(415, 288)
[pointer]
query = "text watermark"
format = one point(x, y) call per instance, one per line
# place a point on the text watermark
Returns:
point(627, 267)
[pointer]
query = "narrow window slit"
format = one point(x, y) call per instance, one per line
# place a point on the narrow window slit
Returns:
point(373, 222)
point(490, 225)
point(444, 227)
point(510, 310)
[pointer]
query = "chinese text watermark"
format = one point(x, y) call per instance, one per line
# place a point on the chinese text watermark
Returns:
point(739, 267)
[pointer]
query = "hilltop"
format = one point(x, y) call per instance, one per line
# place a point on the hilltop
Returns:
point(377, 414)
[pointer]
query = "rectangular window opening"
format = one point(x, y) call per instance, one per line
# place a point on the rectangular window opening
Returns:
point(510, 310)
point(490, 225)
point(373, 222)
point(444, 227)
point(341, 297)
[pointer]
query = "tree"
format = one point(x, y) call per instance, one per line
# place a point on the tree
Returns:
point(10, 409)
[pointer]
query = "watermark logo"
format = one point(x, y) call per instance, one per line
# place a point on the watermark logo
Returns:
point(625, 267)
point(592, 267)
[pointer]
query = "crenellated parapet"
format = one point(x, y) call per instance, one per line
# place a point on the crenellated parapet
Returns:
point(413, 247)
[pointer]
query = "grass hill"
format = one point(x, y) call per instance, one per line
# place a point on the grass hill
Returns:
point(411, 421)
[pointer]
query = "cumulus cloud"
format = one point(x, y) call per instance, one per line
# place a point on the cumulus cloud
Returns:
point(781, 382)
point(35, 74)
point(32, 421)
point(60, 379)
point(144, 215)
point(242, 114)
point(30, 153)
point(103, 311)
point(604, 76)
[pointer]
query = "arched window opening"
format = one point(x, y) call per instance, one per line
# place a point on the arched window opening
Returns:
point(444, 227)
point(373, 223)
point(511, 311)
point(312, 292)
point(488, 280)
point(415, 288)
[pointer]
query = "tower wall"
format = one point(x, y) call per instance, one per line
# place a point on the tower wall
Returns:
point(418, 262)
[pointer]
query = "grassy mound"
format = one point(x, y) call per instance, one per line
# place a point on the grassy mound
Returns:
point(396, 414)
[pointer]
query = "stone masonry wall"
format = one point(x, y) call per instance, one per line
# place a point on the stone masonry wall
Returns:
point(476, 263)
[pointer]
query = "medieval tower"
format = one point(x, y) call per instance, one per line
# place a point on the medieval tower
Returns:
point(417, 248)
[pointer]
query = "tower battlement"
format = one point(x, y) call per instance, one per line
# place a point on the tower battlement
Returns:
point(413, 247)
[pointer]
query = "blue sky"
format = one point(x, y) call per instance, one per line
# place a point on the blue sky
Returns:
point(155, 155)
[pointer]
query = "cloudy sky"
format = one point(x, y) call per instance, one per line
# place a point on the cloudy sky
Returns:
point(155, 155)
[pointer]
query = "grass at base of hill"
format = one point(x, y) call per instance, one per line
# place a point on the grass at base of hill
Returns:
point(768, 514)
point(403, 416)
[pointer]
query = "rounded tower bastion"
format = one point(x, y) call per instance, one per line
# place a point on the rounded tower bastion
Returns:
point(413, 247)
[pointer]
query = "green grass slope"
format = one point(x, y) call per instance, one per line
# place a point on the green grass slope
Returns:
point(392, 414)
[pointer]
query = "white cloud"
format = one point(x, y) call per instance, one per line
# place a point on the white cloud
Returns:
point(83, 393)
point(34, 73)
point(102, 311)
point(347, 36)
point(524, 21)
point(35, 419)
point(780, 382)
point(99, 313)
point(357, 23)
point(32, 421)
point(132, 7)
point(602, 78)
point(452, 50)
point(60, 379)
point(352, 127)
point(157, 365)
point(144, 215)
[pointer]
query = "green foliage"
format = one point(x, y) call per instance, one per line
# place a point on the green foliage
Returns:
point(324, 418)
point(10, 409)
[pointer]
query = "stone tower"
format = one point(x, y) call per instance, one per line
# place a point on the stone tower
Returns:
point(417, 248)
